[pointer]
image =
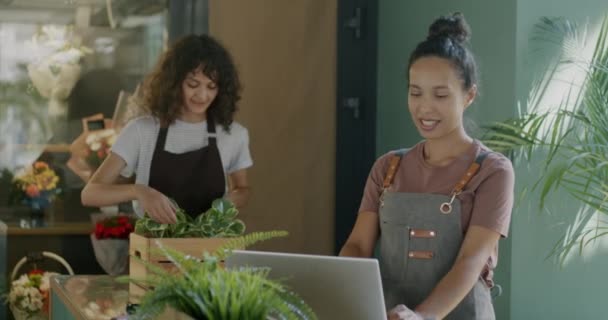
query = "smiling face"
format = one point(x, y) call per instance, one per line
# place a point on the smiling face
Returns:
point(198, 93)
point(436, 97)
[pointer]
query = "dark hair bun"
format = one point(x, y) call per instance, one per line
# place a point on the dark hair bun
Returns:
point(453, 26)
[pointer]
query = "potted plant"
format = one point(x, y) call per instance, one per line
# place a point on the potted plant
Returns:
point(572, 135)
point(202, 289)
point(192, 236)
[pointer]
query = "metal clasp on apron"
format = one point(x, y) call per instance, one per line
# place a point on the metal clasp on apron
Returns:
point(446, 207)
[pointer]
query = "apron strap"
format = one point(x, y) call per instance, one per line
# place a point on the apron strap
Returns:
point(395, 160)
point(393, 167)
point(212, 136)
point(161, 138)
point(473, 169)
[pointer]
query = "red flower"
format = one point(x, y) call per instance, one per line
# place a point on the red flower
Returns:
point(116, 227)
point(99, 230)
point(36, 271)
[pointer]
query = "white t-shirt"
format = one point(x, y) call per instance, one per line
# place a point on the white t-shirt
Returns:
point(136, 142)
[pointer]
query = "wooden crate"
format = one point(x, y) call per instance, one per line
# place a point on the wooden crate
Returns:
point(147, 249)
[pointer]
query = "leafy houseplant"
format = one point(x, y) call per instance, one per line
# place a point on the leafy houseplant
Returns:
point(204, 290)
point(190, 236)
point(573, 134)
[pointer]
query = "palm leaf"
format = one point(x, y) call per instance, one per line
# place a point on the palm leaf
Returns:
point(572, 137)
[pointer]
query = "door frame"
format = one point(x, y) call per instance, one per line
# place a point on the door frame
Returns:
point(355, 133)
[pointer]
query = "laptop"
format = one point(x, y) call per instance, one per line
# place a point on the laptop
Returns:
point(334, 287)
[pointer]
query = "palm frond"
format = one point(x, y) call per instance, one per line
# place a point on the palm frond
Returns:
point(246, 241)
point(572, 137)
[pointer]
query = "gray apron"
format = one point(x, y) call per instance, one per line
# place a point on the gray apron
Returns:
point(420, 237)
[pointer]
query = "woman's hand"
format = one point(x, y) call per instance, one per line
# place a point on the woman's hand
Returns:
point(155, 204)
point(401, 312)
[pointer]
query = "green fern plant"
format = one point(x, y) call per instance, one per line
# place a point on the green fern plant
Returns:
point(218, 222)
point(204, 290)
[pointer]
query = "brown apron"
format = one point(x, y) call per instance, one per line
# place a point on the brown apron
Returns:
point(194, 178)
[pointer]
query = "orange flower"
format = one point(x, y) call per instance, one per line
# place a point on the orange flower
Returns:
point(32, 191)
point(39, 165)
point(36, 271)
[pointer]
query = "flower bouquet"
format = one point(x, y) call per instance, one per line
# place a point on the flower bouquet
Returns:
point(56, 67)
point(37, 186)
point(89, 150)
point(29, 295)
point(99, 144)
point(111, 242)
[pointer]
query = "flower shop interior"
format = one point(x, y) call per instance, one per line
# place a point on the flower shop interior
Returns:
point(324, 95)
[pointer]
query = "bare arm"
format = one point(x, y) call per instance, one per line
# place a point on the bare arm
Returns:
point(362, 239)
point(239, 188)
point(477, 247)
point(107, 187)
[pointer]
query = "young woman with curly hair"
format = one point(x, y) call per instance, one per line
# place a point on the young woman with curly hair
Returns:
point(188, 148)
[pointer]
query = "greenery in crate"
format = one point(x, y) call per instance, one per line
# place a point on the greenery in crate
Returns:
point(204, 290)
point(573, 135)
point(218, 222)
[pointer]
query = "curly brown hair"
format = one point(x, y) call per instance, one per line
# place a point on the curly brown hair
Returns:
point(162, 89)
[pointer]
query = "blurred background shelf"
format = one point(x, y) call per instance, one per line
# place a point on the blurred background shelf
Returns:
point(54, 148)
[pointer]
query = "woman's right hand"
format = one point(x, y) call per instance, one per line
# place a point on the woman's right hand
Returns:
point(401, 312)
point(155, 204)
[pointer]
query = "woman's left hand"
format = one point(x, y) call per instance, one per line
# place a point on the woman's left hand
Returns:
point(401, 312)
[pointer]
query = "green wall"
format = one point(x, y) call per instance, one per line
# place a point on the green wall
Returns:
point(541, 289)
point(501, 31)
point(403, 24)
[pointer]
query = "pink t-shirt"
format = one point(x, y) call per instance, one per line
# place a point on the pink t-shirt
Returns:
point(486, 201)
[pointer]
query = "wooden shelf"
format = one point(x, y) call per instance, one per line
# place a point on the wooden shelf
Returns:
point(66, 228)
point(57, 148)
point(51, 148)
